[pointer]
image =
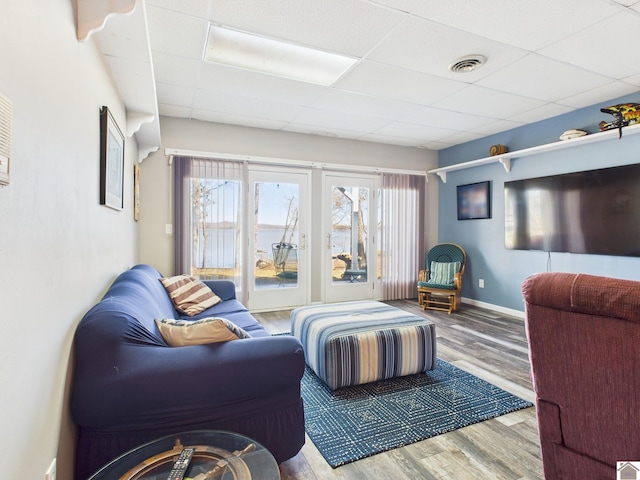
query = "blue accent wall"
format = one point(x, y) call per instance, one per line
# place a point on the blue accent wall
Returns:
point(504, 270)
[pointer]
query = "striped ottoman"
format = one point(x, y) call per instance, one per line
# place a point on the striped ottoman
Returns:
point(359, 342)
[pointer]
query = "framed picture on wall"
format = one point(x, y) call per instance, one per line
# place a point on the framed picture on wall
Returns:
point(111, 162)
point(474, 201)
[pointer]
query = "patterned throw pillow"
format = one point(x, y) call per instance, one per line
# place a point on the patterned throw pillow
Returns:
point(442, 273)
point(181, 333)
point(189, 295)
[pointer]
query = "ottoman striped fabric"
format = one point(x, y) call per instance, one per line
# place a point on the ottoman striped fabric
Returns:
point(359, 342)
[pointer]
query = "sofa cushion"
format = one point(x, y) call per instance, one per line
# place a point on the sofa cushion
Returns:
point(189, 295)
point(181, 333)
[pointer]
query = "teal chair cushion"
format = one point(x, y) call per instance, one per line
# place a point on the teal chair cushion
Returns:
point(441, 275)
point(436, 285)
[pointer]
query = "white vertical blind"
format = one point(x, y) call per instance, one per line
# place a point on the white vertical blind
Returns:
point(402, 231)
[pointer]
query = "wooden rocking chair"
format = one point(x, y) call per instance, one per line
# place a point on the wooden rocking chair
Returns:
point(440, 283)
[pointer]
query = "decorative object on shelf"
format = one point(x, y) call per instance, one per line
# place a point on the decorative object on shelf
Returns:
point(111, 162)
point(570, 134)
point(623, 114)
point(498, 150)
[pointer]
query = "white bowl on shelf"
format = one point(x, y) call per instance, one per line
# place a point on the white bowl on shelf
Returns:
point(569, 134)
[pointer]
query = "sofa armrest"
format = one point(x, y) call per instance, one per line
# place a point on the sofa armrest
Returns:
point(583, 333)
point(581, 293)
point(194, 378)
point(225, 289)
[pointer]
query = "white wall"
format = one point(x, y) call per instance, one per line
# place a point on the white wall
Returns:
point(59, 249)
point(156, 247)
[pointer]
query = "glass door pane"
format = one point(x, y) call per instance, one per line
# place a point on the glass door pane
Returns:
point(276, 234)
point(350, 218)
point(216, 229)
point(277, 239)
point(350, 268)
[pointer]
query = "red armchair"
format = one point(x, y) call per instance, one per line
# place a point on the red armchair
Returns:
point(584, 346)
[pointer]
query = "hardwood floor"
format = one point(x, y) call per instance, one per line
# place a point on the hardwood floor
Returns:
point(491, 346)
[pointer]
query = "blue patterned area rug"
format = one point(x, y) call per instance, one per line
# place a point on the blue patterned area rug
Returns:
point(352, 423)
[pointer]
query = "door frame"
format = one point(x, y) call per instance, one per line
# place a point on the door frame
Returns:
point(348, 291)
point(279, 298)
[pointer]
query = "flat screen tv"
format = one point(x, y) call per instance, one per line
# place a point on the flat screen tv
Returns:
point(594, 212)
point(474, 201)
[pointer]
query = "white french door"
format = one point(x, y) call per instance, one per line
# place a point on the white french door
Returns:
point(278, 235)
point(350, 263)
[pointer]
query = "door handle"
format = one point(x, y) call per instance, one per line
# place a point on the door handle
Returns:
point(329, 241)
point(303, 244)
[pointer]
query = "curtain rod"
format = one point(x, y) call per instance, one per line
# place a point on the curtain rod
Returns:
point(289, 162)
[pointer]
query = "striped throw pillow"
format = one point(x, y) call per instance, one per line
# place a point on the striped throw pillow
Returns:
point(182, 333)
point(189, 295)
point(442, 273)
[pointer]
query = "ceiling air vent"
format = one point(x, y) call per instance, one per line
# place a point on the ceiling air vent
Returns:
point(467, 64)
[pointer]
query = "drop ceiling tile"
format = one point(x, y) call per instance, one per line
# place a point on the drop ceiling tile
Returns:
point(349, 102)
point(351, 27)
point(601, 94)
point(541, 113)
point(462, 137)
point(633, 79)
point(433, 47)
point(173, 111)
point(174, 95)
point(496, 127)
point(188, 34)
point(330, 119)
point(196, 8)
point(448, 119)
point(244, 106)
point(539, 77)
point(173, 70)
point(386, 81)
point(480, 101)
point(402, 141)
point(417, 132)
point(529, 25)
point(236, 81)
point(440, 145)
point(406, 6)
point(322, 131)
point(231, 119)
point(609, 47)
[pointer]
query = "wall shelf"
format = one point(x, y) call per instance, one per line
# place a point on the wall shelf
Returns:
point(505, 158)
point(120, 31)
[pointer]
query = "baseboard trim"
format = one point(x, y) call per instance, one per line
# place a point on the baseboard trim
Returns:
point(497, 308)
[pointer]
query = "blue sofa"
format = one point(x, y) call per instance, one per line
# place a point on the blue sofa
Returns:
point(129, 387)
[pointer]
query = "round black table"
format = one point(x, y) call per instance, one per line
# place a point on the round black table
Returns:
point(218, 455)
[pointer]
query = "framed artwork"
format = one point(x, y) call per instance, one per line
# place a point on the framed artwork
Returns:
point(474, 201)
point(136, 192)
point(111, 162)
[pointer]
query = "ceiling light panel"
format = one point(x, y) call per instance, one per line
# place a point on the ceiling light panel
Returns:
point(273, 57)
